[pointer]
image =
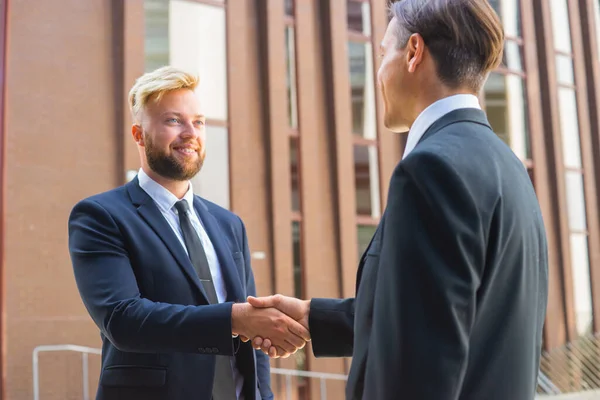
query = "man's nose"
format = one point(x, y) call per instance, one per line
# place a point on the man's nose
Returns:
point(189, 130)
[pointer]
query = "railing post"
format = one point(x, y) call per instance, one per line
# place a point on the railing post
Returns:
point(36, 376)
point(323, 389)
point(86, 382)
point(288, 387)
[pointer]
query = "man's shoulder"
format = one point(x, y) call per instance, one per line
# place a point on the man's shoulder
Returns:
point(107, 199)
point(467, 143)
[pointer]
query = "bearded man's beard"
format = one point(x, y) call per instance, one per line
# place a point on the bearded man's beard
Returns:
point(169, 166)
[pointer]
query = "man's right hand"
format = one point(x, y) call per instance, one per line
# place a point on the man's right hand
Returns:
point(286, 335)
point(295, 308)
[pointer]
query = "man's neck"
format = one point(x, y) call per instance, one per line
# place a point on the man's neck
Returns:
point(432, 95)
point(178, 188)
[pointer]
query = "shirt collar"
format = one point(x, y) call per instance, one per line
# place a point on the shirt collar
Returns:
point(164, 199)
point(434, 112)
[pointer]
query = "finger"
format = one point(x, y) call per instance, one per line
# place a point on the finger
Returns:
point(287, 347)
point(257, 342)
point(267, 343)
point(298, 347)
point(281, 353)
point(261, 302)
point(300, 331)
point(296, 341)
point(267, 353)
point(244, 338)
point(273, 352)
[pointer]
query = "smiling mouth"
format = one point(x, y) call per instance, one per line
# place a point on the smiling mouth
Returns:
point(186, 150)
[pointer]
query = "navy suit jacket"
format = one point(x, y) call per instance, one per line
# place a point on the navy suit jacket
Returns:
point(160, 336)
point(451, 292)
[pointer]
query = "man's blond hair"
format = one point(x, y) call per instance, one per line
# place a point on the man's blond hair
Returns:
point(153, 85)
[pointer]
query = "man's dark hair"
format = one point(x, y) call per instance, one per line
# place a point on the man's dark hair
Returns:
point(464, 37)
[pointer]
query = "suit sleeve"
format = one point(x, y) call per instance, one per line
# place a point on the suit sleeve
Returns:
point(263, 367)
point(331, 325)
point(429, 273)
point(107, 284)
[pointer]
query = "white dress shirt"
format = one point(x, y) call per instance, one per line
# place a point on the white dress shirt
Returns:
point(434, 112)
point(165, 201)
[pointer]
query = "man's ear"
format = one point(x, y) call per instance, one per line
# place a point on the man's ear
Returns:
point(415, 48)
point(138, 134)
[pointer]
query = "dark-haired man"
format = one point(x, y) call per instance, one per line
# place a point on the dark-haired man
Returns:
point(452, 290)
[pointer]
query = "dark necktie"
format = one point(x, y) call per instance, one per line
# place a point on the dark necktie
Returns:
point(224, 386)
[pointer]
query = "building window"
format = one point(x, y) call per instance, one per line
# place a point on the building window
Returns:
point(572, 167)
point(365, 233)
point(505, 93)
point(303, 384)
point(364, 123)
point(291, 75)
point(294, 140)
point(597, 21)
point(192, 36)
point(295, 174)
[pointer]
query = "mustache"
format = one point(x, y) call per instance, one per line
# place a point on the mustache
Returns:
point(189, 143)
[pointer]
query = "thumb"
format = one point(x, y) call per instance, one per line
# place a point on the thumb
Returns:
point(260, 302)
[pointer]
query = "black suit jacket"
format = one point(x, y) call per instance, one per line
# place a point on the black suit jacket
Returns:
point(452, 291)
point(159, 335)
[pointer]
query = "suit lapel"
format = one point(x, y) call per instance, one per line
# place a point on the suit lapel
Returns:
point(152, 215)
point(231, 275)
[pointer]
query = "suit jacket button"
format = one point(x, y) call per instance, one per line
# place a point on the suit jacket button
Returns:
point(215, 350)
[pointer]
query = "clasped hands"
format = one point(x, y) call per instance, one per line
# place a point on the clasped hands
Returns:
point(277, 325)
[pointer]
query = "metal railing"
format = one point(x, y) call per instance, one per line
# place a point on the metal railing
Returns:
point(63, 347)
point(321, 376)
point(85, 351)
point(573, 368)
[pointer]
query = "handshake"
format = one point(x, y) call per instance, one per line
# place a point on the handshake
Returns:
point(277, 325)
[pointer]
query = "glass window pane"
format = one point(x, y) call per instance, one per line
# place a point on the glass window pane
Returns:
point(564, 70)
point(506, 107)
point(294, 174)
point(510, 13)
point(290, 53)
point(513, 56)
point(569, 127)
point(364, 233)
point(560, 25)
point(297, 259)
point(359, 17)
point(580, 268)
point(156, 41)
point(289, 7)
point(362, 90)
point(212, 182)
point(496, 6)
point(575, 200)
point(197, 44)
point(366, 180)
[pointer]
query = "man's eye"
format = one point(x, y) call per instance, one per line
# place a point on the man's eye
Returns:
point(172, 120)
point(200, 123)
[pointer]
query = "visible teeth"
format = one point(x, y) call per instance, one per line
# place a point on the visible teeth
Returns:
point(189, 151)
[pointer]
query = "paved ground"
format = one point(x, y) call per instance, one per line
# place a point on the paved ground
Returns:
point(593, 395)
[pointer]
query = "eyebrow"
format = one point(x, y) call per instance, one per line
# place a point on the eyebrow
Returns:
point(179, 114)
